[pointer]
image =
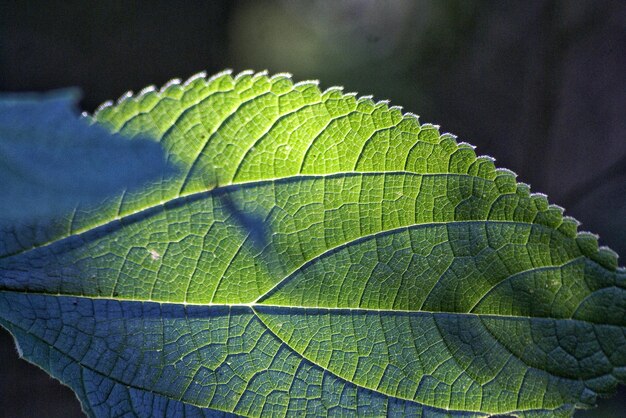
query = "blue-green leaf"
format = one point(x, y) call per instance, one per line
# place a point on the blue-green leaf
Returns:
point(51, 160)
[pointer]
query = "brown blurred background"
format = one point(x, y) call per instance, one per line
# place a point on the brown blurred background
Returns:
point(539, 85)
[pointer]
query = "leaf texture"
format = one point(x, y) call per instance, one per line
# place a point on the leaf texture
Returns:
point(318, 254)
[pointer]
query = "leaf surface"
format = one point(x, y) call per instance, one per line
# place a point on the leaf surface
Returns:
point(51, 160)
point(318, 254)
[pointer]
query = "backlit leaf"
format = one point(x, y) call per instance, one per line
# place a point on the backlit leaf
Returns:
point(319, 254)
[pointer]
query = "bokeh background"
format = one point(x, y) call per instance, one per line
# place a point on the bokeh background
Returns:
point(539, 85)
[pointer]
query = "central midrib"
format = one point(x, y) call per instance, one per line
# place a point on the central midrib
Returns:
point(260, 305)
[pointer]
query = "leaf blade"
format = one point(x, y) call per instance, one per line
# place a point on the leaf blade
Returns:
point(372, 219)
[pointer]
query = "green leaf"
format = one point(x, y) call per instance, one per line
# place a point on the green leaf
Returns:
point(318, 254)
point(51, 160)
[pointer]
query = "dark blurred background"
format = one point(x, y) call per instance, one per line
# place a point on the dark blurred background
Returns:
point(539, 85)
